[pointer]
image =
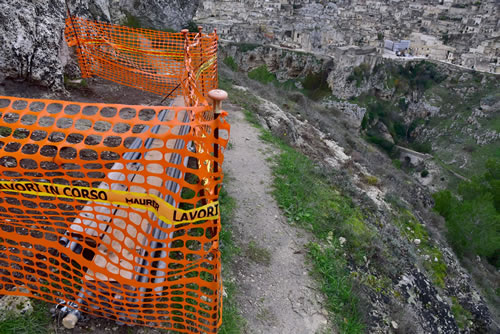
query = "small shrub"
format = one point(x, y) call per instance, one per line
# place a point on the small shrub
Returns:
point(359, 74)
point(382, 143)
point(168, 29)
point(258, 254)
point(245, 47)
point(424, 173)
point(132, 21)
point(262, 75)
point(461, 315)
point(422, 147)
point(229, 61)
point(371, 180)
point(316, 85)
point(191, 26)
point(473, 220)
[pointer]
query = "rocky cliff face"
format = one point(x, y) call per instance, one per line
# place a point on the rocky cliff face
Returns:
point(157, 14)
point(31, 35)
point(32, 32)
point(410, 281)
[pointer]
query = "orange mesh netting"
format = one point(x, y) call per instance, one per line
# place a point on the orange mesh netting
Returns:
point(145, 59)
point(113, 209)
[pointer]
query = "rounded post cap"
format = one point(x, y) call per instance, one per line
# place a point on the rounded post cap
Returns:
point(217, 94)
point(70, 321)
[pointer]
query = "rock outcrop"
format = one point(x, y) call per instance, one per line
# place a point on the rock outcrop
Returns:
point(400, 289)
point(32, 32)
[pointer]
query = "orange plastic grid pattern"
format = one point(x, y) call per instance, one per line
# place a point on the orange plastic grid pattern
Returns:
point(81, 189)
point(150, 60)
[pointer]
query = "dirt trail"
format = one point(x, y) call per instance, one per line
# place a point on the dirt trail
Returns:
point(275, 292)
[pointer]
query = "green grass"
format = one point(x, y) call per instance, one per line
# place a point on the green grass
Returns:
point(36, 322)
point(461, 315)
point(232, 322)
point(330, 269)
point(412, 229)
point(309, 201)
point(262, 75)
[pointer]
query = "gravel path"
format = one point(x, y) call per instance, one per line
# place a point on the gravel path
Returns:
point(275, 292)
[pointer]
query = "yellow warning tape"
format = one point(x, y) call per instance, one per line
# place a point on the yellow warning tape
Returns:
point(205, 66)
point(152, 203)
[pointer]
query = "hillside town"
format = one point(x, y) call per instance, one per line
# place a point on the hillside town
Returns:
point(461, 32)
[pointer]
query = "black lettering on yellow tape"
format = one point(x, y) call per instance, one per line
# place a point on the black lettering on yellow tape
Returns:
point(152, 203)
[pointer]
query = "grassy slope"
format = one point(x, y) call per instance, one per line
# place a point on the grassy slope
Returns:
point(454, 119)
point(232, 322)
point(310, 202)
point(36, 322)
point(451, 131)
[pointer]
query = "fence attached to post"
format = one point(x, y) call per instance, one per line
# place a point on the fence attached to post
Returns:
point(113, 209)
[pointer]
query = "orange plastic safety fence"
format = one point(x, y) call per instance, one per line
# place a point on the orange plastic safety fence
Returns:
point(112, 209)
point(150, 60)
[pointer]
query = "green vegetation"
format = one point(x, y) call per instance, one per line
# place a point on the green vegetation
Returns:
point(455, 137)
point(131, 21)
point(77, 84)
point(405, 80)
point(168, 29)
point(396, 163)
point(414, 76)
point(329, 267)
point(245, 47)
point(229, 61)
point(310, 201)
point(191, 26)
point(413, 230)
point(5, 131)
point(258, 254)
point(473, 220)
point(461, 315)
point(371, 180)
point(37, 322)
point(316, 85)
point(262, 75)
point(359, 74)
point(233, 322)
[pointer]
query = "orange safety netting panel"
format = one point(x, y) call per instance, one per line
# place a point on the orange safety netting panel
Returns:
point(113, 209)
point(150, 60)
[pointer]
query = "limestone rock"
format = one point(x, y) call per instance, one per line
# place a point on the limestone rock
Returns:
point(157, 14)
point(14, 306)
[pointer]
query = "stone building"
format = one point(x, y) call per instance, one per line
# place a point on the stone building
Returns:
point(464, 32)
